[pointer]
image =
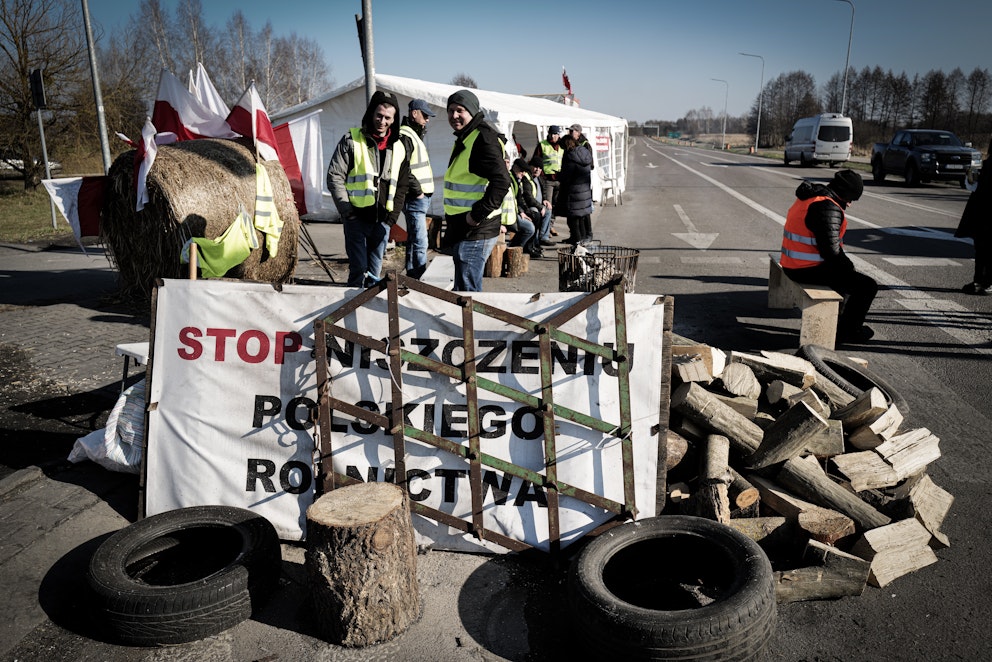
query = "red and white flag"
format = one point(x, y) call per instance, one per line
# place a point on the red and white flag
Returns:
point(565, 81)
point(249, 118)
point(301, 155)
point(179, 112)
point(79, 199)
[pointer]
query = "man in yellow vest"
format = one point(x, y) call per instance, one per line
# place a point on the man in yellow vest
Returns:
point(368, 177)
point(548, 155)
point(474, 186)
point(813, 250)
point(418, 198)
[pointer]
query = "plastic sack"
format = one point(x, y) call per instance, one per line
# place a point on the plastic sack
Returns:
point(117, 447)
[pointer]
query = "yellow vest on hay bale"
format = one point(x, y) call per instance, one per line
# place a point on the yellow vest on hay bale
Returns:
point(196, 188)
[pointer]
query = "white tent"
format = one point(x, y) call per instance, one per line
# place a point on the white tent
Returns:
point(527, 118)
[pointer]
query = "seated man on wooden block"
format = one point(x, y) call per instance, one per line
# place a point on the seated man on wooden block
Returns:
point(813, 250)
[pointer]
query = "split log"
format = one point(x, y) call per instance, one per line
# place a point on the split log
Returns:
point(866, 470)
point(744, 497)
point(696, 403)
point(895, 550)
point(677, 446)
point(822, 524)
point(778, 536)
point(515, 262)
point(878, 431)
point(747, 407)
point(777, 391)
point(835, 395)
point(831, 574)
point(808, 480)
point(494, 265)
point(739, 379)
point(911, 452)
point(690, 369)
point(361, 564)
point(711, 499)
point(863, 410)
point(930, 504)
point(713, 358)
point(828, 442)
point(679, 496)
point(774, 365)
point(787, 437)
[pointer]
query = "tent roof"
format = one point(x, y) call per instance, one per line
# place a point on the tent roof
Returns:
point(498, 106)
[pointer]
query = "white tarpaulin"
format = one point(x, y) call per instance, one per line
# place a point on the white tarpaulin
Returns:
point(513, 114)
point(233, 385)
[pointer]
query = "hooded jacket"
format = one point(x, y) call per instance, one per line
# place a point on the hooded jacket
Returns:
point(825, 220)
point(343, 161)
point(575, 196)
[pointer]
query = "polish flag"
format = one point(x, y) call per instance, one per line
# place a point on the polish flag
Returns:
point(301, 155)
point(144, 158)
point(249, 118)
point(180, 112)
point(79, 200)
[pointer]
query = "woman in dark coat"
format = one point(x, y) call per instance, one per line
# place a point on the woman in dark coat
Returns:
point(575, 195)
point(976, 222)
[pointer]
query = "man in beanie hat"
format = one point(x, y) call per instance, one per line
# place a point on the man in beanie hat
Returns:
point(475, 184)
point(418, 199)
point(548, 155)
point(813, 250)
point(368, 179)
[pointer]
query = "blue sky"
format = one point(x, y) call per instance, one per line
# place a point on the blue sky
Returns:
point(633, 58)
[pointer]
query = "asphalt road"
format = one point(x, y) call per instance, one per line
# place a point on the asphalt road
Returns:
point(704, 222)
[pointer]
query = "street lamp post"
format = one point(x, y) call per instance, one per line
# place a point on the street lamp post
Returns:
point(847, 63)
point(761, 94)
point(726, 93)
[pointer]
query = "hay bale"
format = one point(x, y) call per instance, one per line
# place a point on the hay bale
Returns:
point(195, 189)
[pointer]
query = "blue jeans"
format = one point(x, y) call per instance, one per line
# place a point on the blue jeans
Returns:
point(365, 244)
point(524, 233)
point(470, 262)
point(544, 232)
point(415, 211)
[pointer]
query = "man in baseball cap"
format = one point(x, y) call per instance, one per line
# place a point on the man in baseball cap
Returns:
point(418, 198)
point(421, 105)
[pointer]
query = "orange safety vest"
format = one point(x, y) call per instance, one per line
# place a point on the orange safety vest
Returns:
point(798, 242)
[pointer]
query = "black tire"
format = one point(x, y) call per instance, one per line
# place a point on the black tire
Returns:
point(877, 171)
point(803, 161)
point(628, 593)
point(849, 376)
point(184, 575)
point(912, 175)
point(785, 157)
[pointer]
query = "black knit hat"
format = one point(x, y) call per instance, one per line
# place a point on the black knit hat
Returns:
point(847, 184)
point(466, 100)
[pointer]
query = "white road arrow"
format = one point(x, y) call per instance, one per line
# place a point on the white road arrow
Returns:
point(650, 165)
point(696, 239)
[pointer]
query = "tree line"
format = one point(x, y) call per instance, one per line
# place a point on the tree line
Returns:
point(50, 35)
point(878, 103)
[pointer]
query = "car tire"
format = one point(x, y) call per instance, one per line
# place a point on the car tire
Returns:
point(634, 593)
point(785, 158)
point(803, 161)
point(912, 175)
point(184, 574)
point(877, 171)
point(852, 378)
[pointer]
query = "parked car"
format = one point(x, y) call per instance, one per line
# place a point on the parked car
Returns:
point(924, 155)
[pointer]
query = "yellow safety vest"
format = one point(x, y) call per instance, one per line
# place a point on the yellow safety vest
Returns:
point(508, 210)
point(266, 215)
point(529, 181)
point(551, 158)
point(462, 188)
point(420, 163)
point(361, 182)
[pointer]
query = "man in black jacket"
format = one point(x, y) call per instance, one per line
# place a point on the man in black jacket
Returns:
point(474, 187)
point(813, 250)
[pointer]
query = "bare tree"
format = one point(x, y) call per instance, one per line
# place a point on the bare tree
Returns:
point(46, 35)
point(464, 80)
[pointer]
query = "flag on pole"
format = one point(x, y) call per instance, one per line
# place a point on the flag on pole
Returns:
point(564, 80)
point(249, 118)
point(144, 158)
point(180, 112)
point(207, 94)
point(79, 200)
point(301, 155)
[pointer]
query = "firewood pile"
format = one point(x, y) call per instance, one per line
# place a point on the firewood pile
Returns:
point(833, 486)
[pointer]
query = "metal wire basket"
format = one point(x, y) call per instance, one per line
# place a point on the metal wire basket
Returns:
point(589, 266)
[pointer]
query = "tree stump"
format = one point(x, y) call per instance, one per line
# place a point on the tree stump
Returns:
point(494, 265)
point(515, 262)
point(361, 563)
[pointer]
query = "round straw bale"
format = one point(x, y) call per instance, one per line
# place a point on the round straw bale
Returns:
point(196, 188)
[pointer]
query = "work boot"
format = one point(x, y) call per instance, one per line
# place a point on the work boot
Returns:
point(977, 288)
point(855, 336)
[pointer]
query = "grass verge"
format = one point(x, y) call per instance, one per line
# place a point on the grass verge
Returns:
point(26, 215)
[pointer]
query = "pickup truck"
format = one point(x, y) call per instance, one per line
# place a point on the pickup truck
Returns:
point(924, 155)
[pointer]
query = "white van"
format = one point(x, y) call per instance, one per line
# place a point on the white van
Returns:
point(824, 138)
